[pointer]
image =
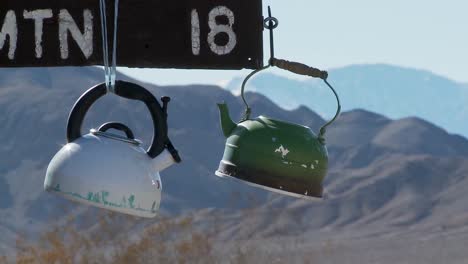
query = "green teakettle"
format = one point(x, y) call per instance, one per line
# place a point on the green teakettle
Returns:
point(275, 155)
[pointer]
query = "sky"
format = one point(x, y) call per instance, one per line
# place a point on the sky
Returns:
point(423, 34)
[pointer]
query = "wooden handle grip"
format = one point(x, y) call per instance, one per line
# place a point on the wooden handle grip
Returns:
point(299, 68)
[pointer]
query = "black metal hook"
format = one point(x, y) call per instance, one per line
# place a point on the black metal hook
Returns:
point(271, 23)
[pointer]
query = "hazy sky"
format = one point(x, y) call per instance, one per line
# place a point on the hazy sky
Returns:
point(424, 34)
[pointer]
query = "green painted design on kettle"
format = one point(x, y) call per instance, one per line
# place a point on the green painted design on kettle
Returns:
point(101, 198)
point(131, 200)
point(104, 195)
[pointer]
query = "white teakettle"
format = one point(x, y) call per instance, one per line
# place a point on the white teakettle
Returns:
point(108, 170)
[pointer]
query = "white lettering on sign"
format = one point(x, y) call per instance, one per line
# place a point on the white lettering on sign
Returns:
point(215, 29)
point(10, 29)
point(217, 33)
point(84, 40)
point(220, 28)
point(195, 33)
point(38, 16)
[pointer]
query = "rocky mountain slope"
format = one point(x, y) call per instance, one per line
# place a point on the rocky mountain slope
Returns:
point(385, 175)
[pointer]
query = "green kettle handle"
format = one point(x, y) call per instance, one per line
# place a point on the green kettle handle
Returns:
point(302, 69)
point(299, 68)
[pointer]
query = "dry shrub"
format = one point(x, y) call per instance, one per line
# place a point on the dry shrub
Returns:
point(109, 241)
point(100, 236)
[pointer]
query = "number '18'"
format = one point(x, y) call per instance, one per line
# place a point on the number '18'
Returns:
point(215, 29)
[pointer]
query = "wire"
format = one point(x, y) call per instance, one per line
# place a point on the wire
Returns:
point(110, 72)
point(105, 53)
point(323, 129)
point(113, 72)
point(247, 107)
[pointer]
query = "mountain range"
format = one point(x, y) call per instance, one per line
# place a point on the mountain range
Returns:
point(386, 176)
point(393, 91)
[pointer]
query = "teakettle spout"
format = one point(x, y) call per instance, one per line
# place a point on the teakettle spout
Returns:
point(164, 160)
point(226, 122)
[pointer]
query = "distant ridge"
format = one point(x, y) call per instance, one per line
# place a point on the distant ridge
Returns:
point(393, 91)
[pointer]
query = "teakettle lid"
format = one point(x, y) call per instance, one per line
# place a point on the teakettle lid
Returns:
point(102, 131)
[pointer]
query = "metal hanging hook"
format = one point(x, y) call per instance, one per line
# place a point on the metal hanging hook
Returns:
point(271, 23)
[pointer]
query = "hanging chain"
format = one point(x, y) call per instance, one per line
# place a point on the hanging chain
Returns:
point(109, 71)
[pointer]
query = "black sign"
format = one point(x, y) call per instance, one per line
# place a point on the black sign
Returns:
point(201, 34)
